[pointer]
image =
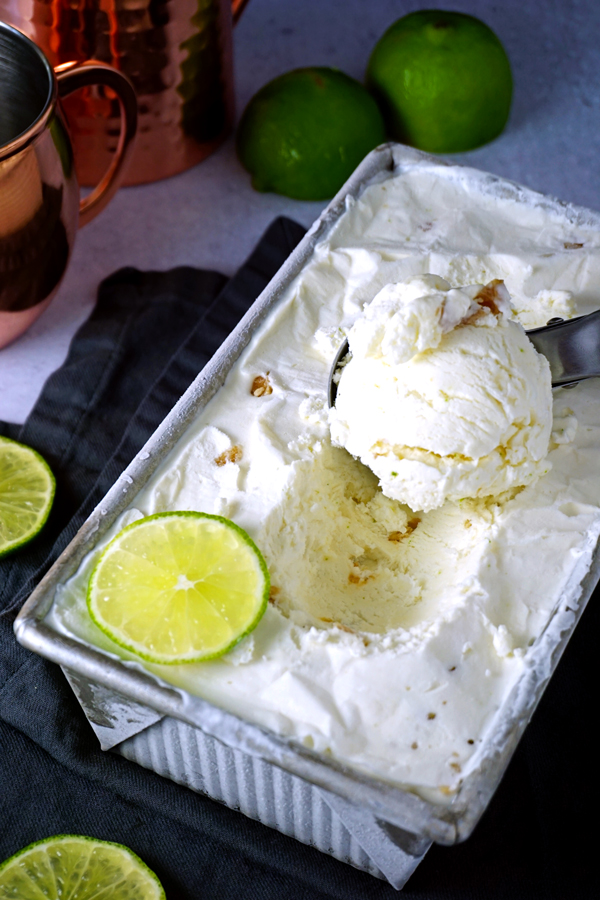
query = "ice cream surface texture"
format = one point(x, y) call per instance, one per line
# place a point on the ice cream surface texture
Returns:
point(444, 396)
point(393, 639)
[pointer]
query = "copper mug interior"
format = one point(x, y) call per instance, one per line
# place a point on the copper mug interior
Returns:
point(40, 208)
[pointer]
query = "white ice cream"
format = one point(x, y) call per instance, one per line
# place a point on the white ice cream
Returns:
point(444, 396)
point(393, 639)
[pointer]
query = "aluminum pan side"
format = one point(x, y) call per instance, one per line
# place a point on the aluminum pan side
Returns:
point(443, 824)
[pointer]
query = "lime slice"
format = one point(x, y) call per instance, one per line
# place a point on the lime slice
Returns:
point(26, 494)
point(179, 587)
point(71, 867)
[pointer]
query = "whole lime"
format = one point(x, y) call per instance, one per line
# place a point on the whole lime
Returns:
point(305, 132)
point(442, 80)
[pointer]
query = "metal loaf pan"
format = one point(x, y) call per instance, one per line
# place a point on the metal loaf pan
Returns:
point(415, 816)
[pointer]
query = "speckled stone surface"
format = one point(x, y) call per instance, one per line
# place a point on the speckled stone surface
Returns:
point(211, 217)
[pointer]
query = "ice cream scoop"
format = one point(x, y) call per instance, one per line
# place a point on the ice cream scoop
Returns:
point(444, 397)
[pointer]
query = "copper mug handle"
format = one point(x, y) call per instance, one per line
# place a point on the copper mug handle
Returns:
point(72, 76)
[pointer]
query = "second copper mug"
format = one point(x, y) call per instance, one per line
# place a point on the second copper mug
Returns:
point(40, 208)
point(178, 54)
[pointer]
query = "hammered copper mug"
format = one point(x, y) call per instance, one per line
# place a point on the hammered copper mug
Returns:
point(40, 208)
point(178, 54)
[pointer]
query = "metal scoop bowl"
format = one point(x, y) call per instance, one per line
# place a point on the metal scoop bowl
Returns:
point(571, 346)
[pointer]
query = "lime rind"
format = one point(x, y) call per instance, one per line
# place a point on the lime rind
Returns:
point(216, 650)
point(25, 523)
point(34, 871)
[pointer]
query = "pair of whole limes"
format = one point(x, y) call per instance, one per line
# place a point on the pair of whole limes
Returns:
point(440, 81)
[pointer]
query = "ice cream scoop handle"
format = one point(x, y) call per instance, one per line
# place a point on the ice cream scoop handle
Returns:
point(572, 347)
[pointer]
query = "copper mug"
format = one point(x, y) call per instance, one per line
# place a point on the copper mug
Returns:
point(40, 208)
point(178, 56)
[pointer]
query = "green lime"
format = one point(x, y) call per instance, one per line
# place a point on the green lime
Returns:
point(179, 587)
point(304, 133)
point(72, 867)
point(443, 81)
point(26, 494)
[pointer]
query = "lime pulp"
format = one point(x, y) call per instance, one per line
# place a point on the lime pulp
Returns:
point(74, 867)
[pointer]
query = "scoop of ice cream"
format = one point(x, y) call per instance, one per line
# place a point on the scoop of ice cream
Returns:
point(444, 396)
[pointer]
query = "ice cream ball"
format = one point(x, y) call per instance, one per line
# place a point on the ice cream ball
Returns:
point(444, 396)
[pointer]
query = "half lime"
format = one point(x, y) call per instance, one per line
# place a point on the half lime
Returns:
point(26, 493)
point(73, 867)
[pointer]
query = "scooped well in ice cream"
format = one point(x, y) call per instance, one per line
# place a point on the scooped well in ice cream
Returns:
point(444, 396)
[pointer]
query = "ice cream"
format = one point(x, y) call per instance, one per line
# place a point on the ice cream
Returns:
point(393, 639)
point(444, 396)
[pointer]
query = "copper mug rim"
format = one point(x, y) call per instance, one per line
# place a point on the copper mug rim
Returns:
point(38, 125)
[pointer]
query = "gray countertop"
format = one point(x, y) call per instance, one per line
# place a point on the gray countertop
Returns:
point(210, 216)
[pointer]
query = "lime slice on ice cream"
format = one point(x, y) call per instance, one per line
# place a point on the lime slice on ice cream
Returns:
point(179, 587)
point(26, 494)
point(71, 867)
